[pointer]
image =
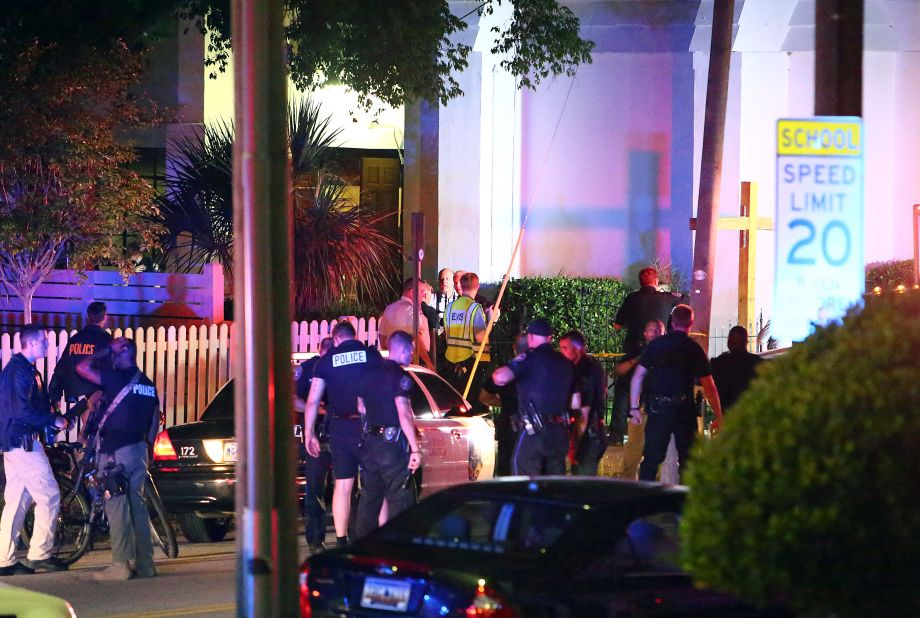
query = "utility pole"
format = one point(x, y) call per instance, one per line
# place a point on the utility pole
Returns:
point(704, 247)
point(262, 222)
point(838, 57)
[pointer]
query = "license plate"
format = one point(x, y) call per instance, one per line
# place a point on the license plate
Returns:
point(229, 451)
point(387, 594)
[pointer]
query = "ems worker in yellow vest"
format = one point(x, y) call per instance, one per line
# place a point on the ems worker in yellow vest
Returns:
point(465, 327)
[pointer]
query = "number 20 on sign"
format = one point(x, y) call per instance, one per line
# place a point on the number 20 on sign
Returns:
point(819, 223)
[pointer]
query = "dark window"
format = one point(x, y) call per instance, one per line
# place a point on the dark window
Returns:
point(651, 542)
point(420, 406)
point(447, 401)
point(221, 407)
point(512, 527)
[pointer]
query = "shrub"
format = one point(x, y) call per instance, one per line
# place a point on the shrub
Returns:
point(567, 302)
point(887, 275)
point(809, 497)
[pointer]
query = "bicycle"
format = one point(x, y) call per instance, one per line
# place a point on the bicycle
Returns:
point(82, 511)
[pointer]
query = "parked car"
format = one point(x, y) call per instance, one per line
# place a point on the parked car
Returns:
point(519, 547)
point(194, 464)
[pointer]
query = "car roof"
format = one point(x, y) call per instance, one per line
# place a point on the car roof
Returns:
point(567, 489)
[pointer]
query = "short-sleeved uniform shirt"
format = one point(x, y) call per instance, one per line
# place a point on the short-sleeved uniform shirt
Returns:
point(135, 419)
point(341, 369)
point(732, 372)
point(381, 385)
point(65, 380)
point(546, 378)
point(303, 377)
point(591, 384)
point(674, 362)
point(639, 308)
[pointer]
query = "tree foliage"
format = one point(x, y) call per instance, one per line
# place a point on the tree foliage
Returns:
point(63, 176)
point(809, 495)
point(402, 50)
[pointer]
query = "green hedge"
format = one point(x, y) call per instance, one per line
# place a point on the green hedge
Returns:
point(588, 304)
point(810, 494)
point(887, 275)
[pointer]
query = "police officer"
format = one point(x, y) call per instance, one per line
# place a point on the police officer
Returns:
point(339, 374)
point(390, 453)
point(544, 380)
point(465, 328)
point(24, 412)
point(734, 370)
point(667, 371)
point(128, 420)
point(86, 342)
point(318, 468)
point(642, 306)
point(505, 435)
point(588, 432)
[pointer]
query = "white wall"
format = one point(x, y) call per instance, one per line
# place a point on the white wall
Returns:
point(610, 188)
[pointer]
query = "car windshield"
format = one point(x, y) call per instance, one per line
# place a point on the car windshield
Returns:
point(221, 407)
point(495, 526)
point(447, 401)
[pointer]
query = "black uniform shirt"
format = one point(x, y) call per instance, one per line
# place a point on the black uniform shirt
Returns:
point(341, 369)
point(303, 377)
point(639, 308)
point(65, 380)
point(544, 377)
point(732, 372)
point(136, 418)
point(381, 384)
point(674, 362)
point(591, 382)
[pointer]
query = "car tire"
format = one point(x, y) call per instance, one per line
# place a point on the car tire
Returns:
point(199, 529)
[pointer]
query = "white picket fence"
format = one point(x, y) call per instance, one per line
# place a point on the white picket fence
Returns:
point(188, 364)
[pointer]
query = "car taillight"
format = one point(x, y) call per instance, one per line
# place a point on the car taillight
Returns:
point(163, 449)
point(489, 604)
point(305, 611)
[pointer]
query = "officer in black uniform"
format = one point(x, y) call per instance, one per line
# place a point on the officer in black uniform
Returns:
point(339, 374)
point(86, 342)
point(505, 435)
point(544, 380)
point(734, 370)
point(318, 468)
point(128, 420)
point(588, 432)
point(390, 452)
point(642, 306)
point(667, 371)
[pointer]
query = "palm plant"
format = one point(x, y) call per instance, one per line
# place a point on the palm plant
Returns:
point(340, 255)
point(339, 251)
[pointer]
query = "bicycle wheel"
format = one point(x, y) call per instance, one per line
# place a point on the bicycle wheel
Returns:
point(161, 530)
point(74, 528)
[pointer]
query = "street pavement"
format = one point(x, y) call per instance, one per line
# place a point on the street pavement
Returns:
point(200, 582)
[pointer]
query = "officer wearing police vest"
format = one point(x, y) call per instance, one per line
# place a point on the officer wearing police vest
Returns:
point(24, 413)
point(318, 468)
point(544, 379)
point(390, 452)
point(465, 327)
point(65, 382)
point(665, 376)
point(128, 420)
point(339, 374)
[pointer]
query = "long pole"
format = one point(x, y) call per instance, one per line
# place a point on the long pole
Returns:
point(498, 302)
point(266, 560)
point(704, 246)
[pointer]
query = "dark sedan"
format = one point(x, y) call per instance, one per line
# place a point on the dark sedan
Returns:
point(519, 547)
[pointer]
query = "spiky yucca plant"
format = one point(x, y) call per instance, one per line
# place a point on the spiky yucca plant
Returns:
point(339, 252)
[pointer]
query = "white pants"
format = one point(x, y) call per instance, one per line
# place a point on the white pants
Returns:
point(670, 471)
point(28, 478)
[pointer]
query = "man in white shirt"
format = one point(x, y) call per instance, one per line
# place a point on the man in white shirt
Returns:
point(398, 316)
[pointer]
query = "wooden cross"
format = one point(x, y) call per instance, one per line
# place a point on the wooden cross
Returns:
point(747, 225)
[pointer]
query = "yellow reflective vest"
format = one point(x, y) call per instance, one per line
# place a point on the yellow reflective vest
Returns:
point(458, 328)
